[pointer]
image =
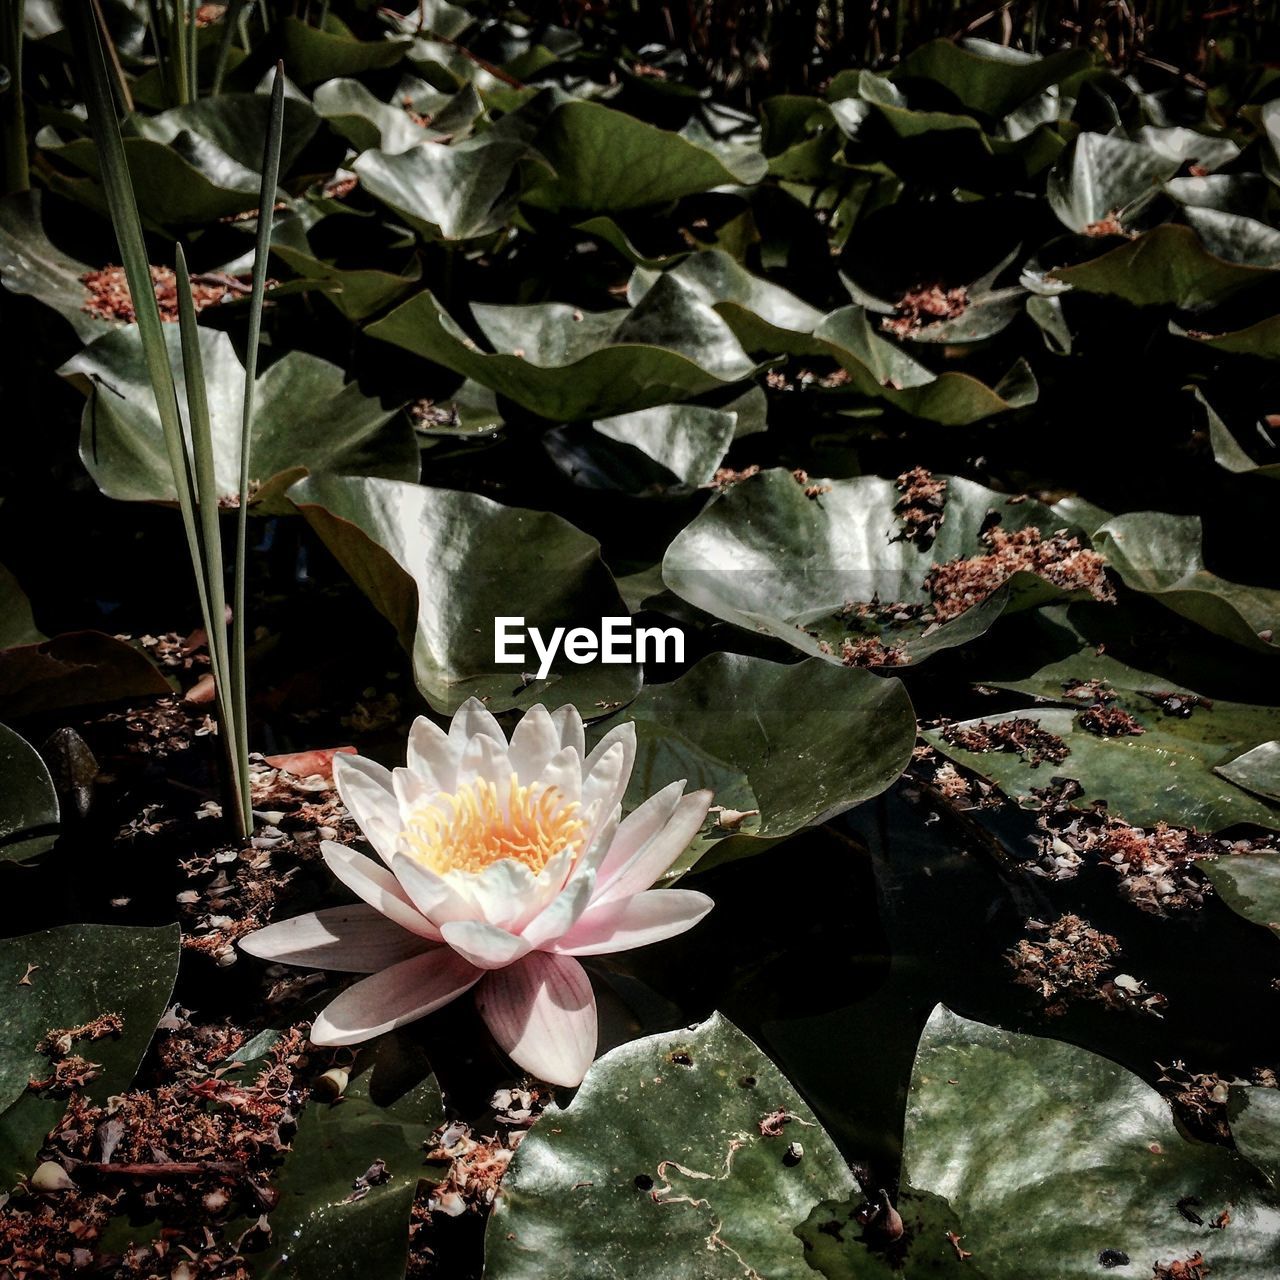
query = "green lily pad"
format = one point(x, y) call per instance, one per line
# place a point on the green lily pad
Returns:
point(659, 1162)
point(1100, 177)
point(1167, 266)
point(319, 53)
point(441, 565)
point(369, 124)
point(28, 801)
point(1261, 339)
point(30, 263)
point(84, 971)
point(606, 161)
point(1257, 770)
point(1161, 556)
point(456, 192)
point(1052, 1157)
point(1148, 778)
point(358, 292)
point(307, 417)
point(17, 622)
point(811, 740)
point(386, 1113)
point(1255, 1126)
point(74, 670)
point(568, 364)
point(769, 557)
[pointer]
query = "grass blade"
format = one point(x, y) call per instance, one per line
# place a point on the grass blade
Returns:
point(206, 485)
point(13, 131)
point(230, 20)
point(266, 204)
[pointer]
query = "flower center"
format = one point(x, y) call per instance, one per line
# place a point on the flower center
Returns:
point(479, 825)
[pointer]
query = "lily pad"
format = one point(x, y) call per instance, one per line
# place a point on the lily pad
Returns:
point(606, 161)
point(82, 971)
point(1255, 1126)
point(1257, 770)
point(1100, 178)
point(1052, 1157)
point(319, 53)
point(1147, 778)
point(567, 364)
point(441, 566)
point(17, 622)
point(28, 803)
point(387, 1113)
point(307, 417)
point(660, 1157)
point(1161, 556)
point(358, 292)
point(769, 557)
point(811, 740)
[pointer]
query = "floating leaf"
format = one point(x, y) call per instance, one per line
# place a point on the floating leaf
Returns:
point(1100, 178)
point(659, 1163)
point(1257, 770)
point(393, 127)
point(357, 292)
point(811, 740)
point(17, 622)
point(769, 557)
point(81, 972)
point(386, 1114)
point(606, 161)
point(568, 364)
point(441, 566)
point(74, 670)
point(1161, 556)
point(307, 417)
point(1052, 1157)
point(28, 802)
point(319, 53)
point(1255, 1126)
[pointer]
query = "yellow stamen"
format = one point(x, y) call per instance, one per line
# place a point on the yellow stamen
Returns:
point(472, 829)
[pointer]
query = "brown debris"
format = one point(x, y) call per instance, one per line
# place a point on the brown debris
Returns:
point(1069, 961)
point(107, 293)
point(871, 651)
point(925, 304)
point(811, 490)
point(1092, 691)
point(1108, 226)
point(1110, 722)
point(426, 414)
point(1021, 736)
point(57, 1043)
point(960, 584)
point(921, 507)
point(726, 477)
point(1192, 1268)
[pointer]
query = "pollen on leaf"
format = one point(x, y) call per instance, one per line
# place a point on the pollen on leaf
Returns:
point(480, 824)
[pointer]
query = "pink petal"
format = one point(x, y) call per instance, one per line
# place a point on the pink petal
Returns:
point(558, 917)
point(376, 886)
point(472, 719)
point(432, 756)
point(568, 725)
point(484, 945)
point(404, 992)
point(355, 939)
point(661, 850)
point(543, 1015)
point(637, 828)
point(432, 895)
point(533, 742)
point(634, 922)
point(366, 789)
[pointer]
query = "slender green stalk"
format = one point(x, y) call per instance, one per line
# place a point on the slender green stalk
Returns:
point(123, 209)
point(175, 15)
point(16, 175)
point(158, 44)
point(230, 21)
point(190, 31)
point(119, 81)
point(262, 247)
point(201, 434)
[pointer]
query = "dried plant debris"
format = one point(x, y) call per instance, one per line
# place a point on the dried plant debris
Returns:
point(107, 294)
point(811, 488)
point(921, 508)
point(1193, 1268)
point(960, 584)
point(1200, 1099)
point(1110, 722)
point(726, 477)
point(1093, 692)
point(189, 1160)
point(71, 1071)
point(1069, 961)
point(871, 651)
point(925, 304)
point(427, 414)
point(1107, 226)
point(1020, 736)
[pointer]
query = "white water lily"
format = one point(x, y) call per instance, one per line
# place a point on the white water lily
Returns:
point(500, 863)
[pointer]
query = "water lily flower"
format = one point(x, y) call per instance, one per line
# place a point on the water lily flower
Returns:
point(501, 863)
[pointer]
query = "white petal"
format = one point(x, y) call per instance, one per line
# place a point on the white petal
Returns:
point(568, 724)
point(436, 897)
point(366, 789)
point(543, 1015)
point(505, 893)
point(661, 850)
point(354, 939)
point(559, 916)
point(620, 734)
point(432, 755)
point(634, 922)
point(485, 760)
point(534, 741)
point(386, 1000)
point(484, 945)
point(637, 828)
point(564, 772)
point(472, 719)
point(376, 886)
point(606, 780)
point(412, 790)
